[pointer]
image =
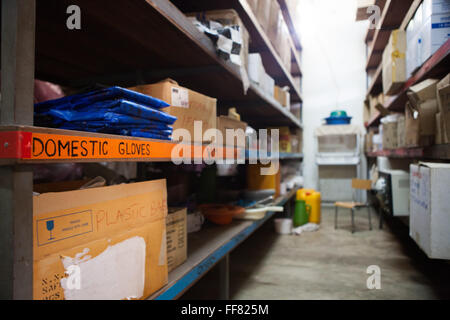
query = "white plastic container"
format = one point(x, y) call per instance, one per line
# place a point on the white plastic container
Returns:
point(283, 226)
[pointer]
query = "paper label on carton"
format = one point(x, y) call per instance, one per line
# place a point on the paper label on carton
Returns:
point(63, 226)
point(180, 97)
point(116, 273)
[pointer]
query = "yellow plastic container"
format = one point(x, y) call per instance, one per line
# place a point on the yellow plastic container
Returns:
point(312, 198)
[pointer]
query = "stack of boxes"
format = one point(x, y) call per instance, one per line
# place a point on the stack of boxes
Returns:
point(270, 17)
point(427, 31)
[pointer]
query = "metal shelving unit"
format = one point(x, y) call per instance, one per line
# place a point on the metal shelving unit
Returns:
point(435, 66)
point(122, 43)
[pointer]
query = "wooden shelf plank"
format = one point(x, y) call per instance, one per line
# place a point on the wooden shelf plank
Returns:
point(206, 248)
point(26, 144)
point(435, 67)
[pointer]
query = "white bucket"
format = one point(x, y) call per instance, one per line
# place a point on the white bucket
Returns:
point(283, 226)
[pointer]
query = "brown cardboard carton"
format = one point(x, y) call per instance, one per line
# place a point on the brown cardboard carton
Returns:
point(422, 91)
point(224, 123)
point(439, 138)
point(275, 22)
point(394, 63)
point(176, 231)
point(413, 124)
point(401, 138)
point(94, 234)
point(185, 104)
point(443, 95)
point(282, 96)
point(368, 142)
point(390, 135)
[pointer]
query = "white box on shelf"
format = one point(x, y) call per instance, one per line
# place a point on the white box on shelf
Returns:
point(268, 85)
point(434, 33)
point(429, 223)
point(431, 7)
point(255, 68)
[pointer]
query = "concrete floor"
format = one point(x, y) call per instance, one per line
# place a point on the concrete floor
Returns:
point(330, 264)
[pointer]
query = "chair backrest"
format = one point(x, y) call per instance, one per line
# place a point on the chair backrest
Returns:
point(361, 184)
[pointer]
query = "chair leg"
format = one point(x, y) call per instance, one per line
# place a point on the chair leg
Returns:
point(370, 220)
point(335, 217)
point(353, 220)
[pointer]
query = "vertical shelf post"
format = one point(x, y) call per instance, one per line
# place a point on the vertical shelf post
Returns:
point(224, 281)
point(16, 184)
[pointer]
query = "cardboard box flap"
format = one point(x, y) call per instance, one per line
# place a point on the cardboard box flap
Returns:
point(422, 91)
point(170, 81)
point(383, 111)
point(444, 82)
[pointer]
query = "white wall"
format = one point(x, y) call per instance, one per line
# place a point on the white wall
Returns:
point(333, 66)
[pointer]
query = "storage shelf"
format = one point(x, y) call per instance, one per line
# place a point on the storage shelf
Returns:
point(436, 66)
point(23, 144)
point(391, 18)
point(155, 41)
point(206, 248)
point(375, 86)
point(26, 144)
point(259, 41)
point(440, 151)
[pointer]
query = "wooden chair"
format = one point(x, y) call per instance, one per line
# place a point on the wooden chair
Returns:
point(357, 184)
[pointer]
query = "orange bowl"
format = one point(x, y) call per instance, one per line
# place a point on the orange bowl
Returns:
point(219, 213)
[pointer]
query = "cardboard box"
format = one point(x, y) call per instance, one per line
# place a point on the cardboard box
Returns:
point(420, 113)
point(422, 91)
point(413, 125)
point(176, 234)
point(427, 31)
point(390, 135)
point(94, 234)
point(225, 122)
point(429, 221)
point(368, 141)
point(256, 69)
point(439, 135)
point(282, 96)
point(443, 95)
point(267, 85)
point(376, 103)
point(394, 63)
point(401, 133)
point(275, 20)
point(185, 104)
